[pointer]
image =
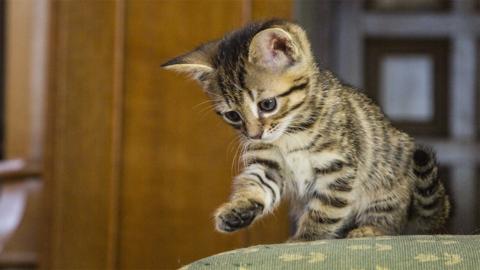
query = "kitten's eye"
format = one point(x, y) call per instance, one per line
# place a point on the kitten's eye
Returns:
point(267, 105)
point(232, 116)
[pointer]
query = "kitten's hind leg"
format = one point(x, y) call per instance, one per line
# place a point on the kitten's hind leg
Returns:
point(365, 231)
point(386, 215)
point(310, 229)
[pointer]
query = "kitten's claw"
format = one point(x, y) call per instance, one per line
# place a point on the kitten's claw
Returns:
point(236, 215)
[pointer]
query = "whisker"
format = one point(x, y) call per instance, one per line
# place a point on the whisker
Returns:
point(244, 144)
point(231, 144)
point(235, 158)
point(201, 103)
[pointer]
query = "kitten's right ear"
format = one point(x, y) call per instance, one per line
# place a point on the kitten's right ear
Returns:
point(197, 63)
point(273, 49)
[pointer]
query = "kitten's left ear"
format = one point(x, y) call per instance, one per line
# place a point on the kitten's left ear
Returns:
point(273, 49)
point(196, 63)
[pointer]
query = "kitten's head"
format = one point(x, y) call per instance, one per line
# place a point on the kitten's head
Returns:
point(258, 77)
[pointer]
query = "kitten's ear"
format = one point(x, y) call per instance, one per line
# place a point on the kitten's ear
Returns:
point(273, 49)
point(197, 63)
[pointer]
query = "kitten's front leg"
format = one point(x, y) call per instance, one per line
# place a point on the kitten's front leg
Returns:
point(257, 191)
point(240, 211)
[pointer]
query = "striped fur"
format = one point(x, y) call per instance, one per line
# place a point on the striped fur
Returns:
point(430, 204)
point(347, 171)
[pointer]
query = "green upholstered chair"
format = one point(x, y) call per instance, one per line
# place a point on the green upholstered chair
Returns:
point(380, 253)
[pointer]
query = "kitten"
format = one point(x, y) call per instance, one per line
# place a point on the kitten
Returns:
point(347, 171)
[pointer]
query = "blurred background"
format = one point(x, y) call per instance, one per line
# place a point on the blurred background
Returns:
point(109, 162)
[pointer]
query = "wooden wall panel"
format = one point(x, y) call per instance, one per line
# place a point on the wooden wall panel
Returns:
point(188, 170)
point(176, 161)
point(136, 162)
point(18, 58)
point(266, 9)
point(79, 147)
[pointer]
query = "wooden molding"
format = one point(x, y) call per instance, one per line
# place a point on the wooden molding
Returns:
point(25, 260)
point(26, 73)
point(18, 170)
point(79, 178)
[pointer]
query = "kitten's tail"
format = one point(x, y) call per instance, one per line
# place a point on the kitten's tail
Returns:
point(430, 204)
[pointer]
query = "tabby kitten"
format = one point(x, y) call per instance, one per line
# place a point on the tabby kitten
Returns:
point(309, 137)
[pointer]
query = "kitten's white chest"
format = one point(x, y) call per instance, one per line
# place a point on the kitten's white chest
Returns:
point(300, 170)
point(300, 166)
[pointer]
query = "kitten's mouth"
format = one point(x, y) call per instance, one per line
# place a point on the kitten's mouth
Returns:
point(269, 135)
point(269, 138)
point(275, 133)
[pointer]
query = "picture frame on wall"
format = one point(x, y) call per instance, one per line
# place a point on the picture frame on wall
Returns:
point(409, 78)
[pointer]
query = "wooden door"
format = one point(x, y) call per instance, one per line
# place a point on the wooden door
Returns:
point(177, 156)
point(176, 159)
point(135, 165)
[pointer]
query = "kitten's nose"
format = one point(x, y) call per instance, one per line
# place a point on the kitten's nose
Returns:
point(253, 130)
point(256, 136)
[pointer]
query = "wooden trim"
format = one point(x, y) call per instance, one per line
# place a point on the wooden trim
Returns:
point(18, 169)
point(117, 136)
point(438, 49)
point(18, 115)
point(18, 261)
point(3, 65)
point(81, 154)
point(26, 65)
point(45, 259)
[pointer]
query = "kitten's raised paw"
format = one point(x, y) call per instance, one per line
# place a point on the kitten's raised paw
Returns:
point(365, 231)
point(236, 215)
